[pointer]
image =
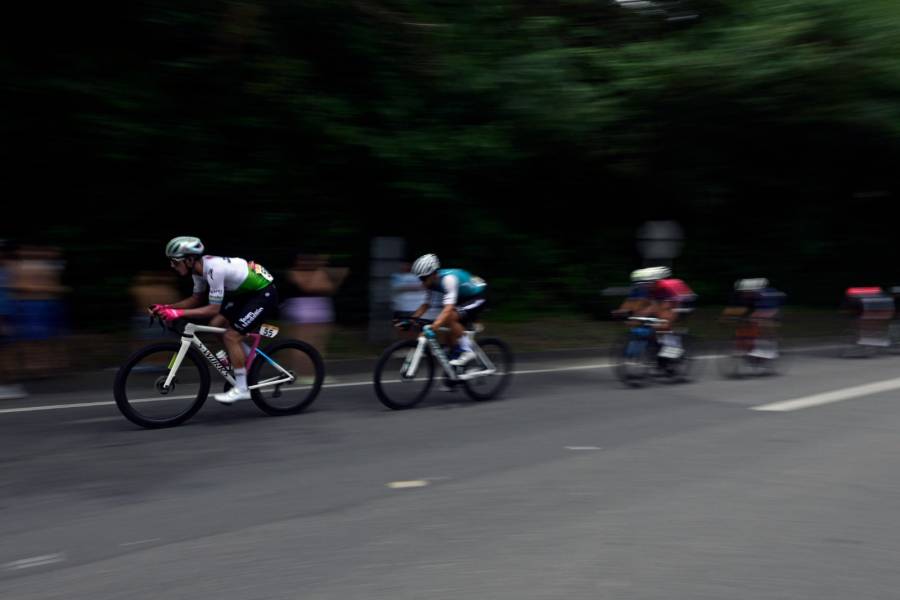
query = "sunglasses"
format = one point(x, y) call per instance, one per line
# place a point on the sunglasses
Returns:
point(175, 261)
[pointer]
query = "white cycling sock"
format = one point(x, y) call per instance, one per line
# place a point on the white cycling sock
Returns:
point(465, 344)
point(240, 378)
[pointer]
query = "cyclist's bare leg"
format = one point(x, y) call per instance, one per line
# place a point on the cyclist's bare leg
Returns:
point(231, 339)
point(455, 327)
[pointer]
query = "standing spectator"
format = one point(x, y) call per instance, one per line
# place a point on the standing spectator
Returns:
point(310, 312)
point(150, 287)
point(36, 282)
point(8, 390)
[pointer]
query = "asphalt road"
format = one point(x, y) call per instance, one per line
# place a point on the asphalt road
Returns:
point(568, 487)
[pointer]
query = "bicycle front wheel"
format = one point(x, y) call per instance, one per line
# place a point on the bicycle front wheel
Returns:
point(140, 390)
point(633, 359)
point(290, 375)
point(490, 386)
point(394, 387)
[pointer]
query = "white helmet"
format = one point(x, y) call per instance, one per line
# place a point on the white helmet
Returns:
point(751, 285)
point(426, 265)
point(650, 274)
point(184, 245)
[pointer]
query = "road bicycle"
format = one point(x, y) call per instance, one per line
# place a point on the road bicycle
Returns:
point(165, 384)
point(641, 354)
point(750, 349)
point(406, 370)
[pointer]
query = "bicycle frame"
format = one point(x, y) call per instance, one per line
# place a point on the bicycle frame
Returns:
point(189, 338)
point(655, 336)
point(411, 364)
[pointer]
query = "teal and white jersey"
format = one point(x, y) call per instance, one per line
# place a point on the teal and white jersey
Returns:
point(456, 285)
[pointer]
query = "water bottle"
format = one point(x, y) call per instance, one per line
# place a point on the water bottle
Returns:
point(223, 358)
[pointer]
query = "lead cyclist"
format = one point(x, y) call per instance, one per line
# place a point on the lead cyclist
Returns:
point(239, 294)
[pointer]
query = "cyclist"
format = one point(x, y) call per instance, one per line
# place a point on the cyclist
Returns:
point(239, 295)
point(755, 300)
point(874, 310)
point(655, 293)
point(463, 300)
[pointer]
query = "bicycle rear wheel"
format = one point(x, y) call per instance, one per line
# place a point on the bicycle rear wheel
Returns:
point(393, 387)
point(488, 387)
point(298, 387)
point(139, 391)
point(684, 368)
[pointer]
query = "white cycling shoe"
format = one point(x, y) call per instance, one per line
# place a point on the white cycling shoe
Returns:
point(232, 396)
point(463, 359)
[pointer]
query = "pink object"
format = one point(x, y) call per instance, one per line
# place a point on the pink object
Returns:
point(256, 340)
point(855, 292)
point(170, 314)
point(673, 289)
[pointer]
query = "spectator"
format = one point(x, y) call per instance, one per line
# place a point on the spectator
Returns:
point(309, 313)
point(150, 287)
point(36, 282)
point(8, 389)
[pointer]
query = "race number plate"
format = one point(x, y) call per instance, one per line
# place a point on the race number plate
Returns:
point(268, 331)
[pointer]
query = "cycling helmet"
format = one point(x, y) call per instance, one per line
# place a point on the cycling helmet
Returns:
point(751, 285)
point(184, 245)
point(426, 265)
point(650, 274)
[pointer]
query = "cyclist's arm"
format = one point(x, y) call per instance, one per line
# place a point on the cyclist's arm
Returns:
point(631, 305)
point(204, 312)
point(426, 304)
point(734, 311)
point(212, 281)
point(444, 316)
point(192, 302)
point(420, 311)
point(450, 286)
point(666, 310)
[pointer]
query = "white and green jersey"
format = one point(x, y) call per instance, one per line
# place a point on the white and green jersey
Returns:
point(456, 285)
point(223, 275)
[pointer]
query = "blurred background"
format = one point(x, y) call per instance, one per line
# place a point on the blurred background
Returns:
point(527, 142)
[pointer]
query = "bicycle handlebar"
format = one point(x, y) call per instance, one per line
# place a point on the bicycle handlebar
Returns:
point(176, 326)
point(407, 324)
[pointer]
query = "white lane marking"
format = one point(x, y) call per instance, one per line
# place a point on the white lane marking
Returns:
point(830, 397)
point(125, 544)
point(583, 448)
point(400, 485)
point(605, 365)
point(55, 407)
point(34, 561)
point(94, 420)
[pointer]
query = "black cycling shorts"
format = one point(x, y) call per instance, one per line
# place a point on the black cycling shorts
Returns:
point(470, 309)
point(246, 312)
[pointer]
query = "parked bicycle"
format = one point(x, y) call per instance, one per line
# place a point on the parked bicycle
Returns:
point(165, 384)
point(406, 370)
point(642, 355)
